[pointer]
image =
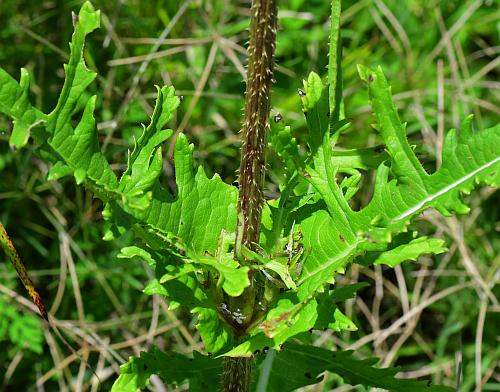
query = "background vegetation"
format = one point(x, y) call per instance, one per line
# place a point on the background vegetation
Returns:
point(441, 58)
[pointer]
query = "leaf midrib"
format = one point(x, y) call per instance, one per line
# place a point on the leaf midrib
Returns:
point(444, 190)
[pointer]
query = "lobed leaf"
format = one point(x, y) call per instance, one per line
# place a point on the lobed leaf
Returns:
point(298, 365)
point(201, 209)
point(192, 219)
point(174, 369)
point(335, 234)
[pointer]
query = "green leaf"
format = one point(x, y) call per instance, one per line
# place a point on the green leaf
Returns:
point(154, 287)
point(174, 272)
point(201, 372)
point(282, 322)
point(23, 330)
point(335, 64)
point(297, 366)
point(321, 171)
point(281, 141)
point(331, 250)
point(411, 251)
point(166, 104)
point(194, 218)
point(334, 235)
point(341, 322)
point(200, 210)
point(404, 163)
point(468, 159)
point(14, 102)
point(76, 150)
point(360, 158)
point(279, 266)
point(186, 291)
point(329, 315)
point(145, 161)
point(233, 278)
point(134, 252)
point(316, 110)
point(178, 281)
point(276, 213)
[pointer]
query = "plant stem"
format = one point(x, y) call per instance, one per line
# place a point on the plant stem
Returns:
point(237, 371)
point(256, 121)
point(16, 261)
point(236, 374)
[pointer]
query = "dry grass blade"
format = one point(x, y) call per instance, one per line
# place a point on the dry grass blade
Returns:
point(380, 336)
point(473, 7)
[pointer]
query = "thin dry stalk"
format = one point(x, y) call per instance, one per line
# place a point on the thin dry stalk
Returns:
point(479, 343)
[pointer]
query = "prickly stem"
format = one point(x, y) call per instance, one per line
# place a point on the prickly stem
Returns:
point(256, 121)
point(236, 375)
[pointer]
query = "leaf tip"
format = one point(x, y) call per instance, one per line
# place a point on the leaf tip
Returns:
point(365, 73)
